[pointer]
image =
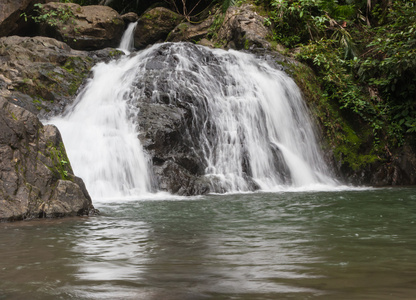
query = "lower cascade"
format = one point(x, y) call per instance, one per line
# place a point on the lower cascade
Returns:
point(189, 120)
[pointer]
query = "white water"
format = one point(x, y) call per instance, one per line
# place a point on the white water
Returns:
point(249, 119)
point(100, 135)
point(127, 40)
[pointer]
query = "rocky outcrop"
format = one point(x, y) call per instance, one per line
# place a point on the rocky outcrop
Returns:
point(42, 74)
point(188, 32)
point(398, 168)
point(243, 28)
point(36, 178)
point(130, 17)
point(11, 21)
point(154, 26)
point(82, 27)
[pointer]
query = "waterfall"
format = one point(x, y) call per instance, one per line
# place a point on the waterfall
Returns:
point(245, 120)
point(100, 135)
point(127, 40)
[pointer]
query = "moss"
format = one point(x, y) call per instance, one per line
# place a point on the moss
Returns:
point(348, 140)
point(14, 116)
point(115, 53)
point(246, 44)
point(61, 166)
point(79, 70)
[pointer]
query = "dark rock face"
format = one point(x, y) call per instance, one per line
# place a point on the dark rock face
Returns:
point(188, 32)
point(166, 121)
point(243, 28)
point(130, 17)
point(42, 74)
point(10, 14)
point(83, 27)
point(36, 179)
point(400, 169)
point(154, 26)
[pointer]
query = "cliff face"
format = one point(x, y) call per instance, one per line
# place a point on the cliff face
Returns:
point(36, 178)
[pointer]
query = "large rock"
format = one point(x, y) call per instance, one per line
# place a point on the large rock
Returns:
point(36, 178)
point(42, 74)
point(10, 14)
point(173, 117)
point(154, 26)
point(188, 32)
point(82, 27)
point(243, 28)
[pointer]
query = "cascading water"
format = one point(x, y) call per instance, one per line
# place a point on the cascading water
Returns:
point(127, 41)
point(246, 122)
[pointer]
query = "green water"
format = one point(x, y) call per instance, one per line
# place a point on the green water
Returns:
point(311, 245)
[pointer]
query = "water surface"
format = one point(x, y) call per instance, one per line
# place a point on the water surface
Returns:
point(309, 245)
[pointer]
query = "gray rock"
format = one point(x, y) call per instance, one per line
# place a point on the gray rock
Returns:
point(154, 26)
point(42, 74)
point(188, 32)
point(36, 178)
point(130, 17)
point(243, 28)
point(10, 15)
point(83, 27)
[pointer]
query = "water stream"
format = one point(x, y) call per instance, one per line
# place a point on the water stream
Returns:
point(250, 126)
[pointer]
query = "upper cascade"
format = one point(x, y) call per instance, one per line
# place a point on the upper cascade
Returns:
point(127, 40)
point(188, 119)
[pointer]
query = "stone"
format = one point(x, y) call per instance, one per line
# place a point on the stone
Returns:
point(42, 74)
point(90, 27)
point(11, 20)
point(243, 28)
point(36, 178)
point(130, 17)
point(154, 26)
point(188, 32)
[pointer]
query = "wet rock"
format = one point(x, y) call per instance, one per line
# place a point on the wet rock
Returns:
point(154, 26)
point(36, 178)
point(130, 17)
point(11, 21)
point(42, 74)
point(399, 168)
point(82, 27)
point(167, 119)
point(243, 28)
point(187, 32)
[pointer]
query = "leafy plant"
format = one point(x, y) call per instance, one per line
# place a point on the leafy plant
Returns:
point(53, 17)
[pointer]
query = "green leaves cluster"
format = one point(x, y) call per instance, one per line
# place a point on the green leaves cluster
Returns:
point(364, 53)
point(388, 64)
point(297, 22)
point(52, 17)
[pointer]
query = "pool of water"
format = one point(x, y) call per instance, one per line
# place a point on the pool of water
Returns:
point(307, 245)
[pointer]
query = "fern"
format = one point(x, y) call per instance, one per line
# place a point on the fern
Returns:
point(227, 3)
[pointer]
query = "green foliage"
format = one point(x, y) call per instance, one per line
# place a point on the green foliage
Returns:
point(53, 17)
point(389, 63)
point(216, 24)
point(368, 72)
point(60, 160)
point(226, 4)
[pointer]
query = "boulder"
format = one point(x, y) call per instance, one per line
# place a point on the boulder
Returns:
point(188, 32)
point(82, 27)
point(243, 28)
point(154, 26)
point(36, 178)
point(42, 74)
point(130, 17)
point(10, 14)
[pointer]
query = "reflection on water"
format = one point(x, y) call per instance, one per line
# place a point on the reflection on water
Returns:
point(343, 245)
